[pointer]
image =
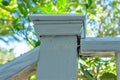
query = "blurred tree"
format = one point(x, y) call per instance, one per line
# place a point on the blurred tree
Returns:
point(102, 19)
point(6, 56)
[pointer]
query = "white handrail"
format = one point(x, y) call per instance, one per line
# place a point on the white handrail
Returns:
point(19, 64)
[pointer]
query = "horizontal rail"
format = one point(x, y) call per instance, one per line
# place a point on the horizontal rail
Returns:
point(100, 46)
point(19, 64)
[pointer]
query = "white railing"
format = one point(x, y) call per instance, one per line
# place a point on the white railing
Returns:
point(24, 66)
point(56, 57)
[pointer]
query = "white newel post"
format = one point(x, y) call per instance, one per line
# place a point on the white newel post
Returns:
point(58, 49)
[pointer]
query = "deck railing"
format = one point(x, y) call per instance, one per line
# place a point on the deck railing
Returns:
point(20, 66)
point(56, 56)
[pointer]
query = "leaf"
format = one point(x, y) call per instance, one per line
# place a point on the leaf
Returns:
point(11, 50)
point(54, 1)
point(37, 43)
point(27, 3)
point(35, 9)
point(5, 2)
point(83, 6)
point(23, 8)
point(108, 76)
point(35, 1)
point(87, 73)
point(79, 11)
point(89, 2)
point(92, 11)
point(87, 5)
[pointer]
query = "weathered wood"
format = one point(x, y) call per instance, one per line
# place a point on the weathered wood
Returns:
point(24, 74)
point(98, 53)
point(58, 58)
point(19, 64)
point(100, 45)
point(118, 65)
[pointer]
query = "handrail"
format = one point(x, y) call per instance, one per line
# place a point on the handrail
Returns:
point(106, 46)
point(19, 64)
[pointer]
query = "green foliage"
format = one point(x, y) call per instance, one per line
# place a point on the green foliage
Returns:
point(5, 2)
point(6, 56)
point(102, 20)
point(87, 74)
point(14, 21)
point(32, 77)
point(108, 76)
point(96, 67)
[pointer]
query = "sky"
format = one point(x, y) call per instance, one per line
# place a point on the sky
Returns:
point(19, 47)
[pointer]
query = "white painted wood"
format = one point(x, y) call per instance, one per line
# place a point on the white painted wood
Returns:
point(57, 24)
point(83, 29)
point(58, 29)
point(56, 17)
point(118, 65)
point(100, 45)
point(58, 51)
point(19, 64)
point(57, 58)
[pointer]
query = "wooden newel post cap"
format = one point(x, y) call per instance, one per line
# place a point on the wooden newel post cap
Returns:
point(57, 24)
point(57, 54)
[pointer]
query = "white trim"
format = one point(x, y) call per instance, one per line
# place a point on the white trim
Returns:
point(56, 29)
point(58, 17)
point(58, 24)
